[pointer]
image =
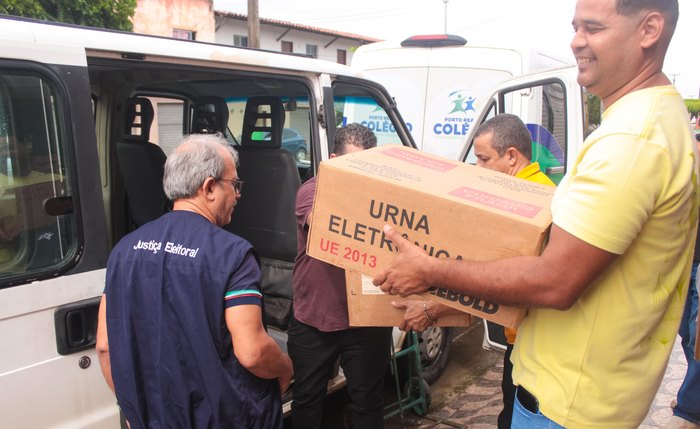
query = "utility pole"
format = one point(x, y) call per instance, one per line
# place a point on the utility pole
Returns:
point(253, 24)
point(674, 76)
point(445, 1)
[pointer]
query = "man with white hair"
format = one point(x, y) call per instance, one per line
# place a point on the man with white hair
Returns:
point(180, 335)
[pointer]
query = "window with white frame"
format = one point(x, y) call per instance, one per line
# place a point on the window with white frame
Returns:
point(240, 40)
point(312, 51)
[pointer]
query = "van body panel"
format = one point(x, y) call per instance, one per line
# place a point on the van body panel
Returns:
point(44, 388)
point(440, 89)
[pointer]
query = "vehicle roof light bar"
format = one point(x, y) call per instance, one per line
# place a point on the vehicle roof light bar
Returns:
point(434, 41)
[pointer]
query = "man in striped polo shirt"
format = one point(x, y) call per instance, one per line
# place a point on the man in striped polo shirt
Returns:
point(183, 308)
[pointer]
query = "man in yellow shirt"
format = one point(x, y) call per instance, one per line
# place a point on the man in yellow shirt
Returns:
point(503, 144)
point(607, 293)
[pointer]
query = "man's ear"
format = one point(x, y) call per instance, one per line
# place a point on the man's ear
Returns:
point(207, 188)
point(511, 155)
point(652, 28)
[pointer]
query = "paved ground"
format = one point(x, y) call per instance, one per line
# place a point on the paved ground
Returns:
point(468, 395)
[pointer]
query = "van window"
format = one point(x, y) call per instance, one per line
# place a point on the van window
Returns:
point(186, 100)
point(354, 103)
point(543, 108)
point(296, 133)
point(32, 176)
point(167, 129)
point(548, 130)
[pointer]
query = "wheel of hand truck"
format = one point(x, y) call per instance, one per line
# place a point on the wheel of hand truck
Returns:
point(412, 392)
point(434, 345)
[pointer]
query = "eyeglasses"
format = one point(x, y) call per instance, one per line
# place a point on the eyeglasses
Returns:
point(237, 184)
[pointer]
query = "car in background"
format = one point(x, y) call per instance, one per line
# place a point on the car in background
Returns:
point(292, 142)
point(295, 143)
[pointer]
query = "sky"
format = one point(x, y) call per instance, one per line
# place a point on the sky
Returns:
point(545, 24)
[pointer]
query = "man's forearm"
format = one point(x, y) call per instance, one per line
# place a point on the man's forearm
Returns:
point(102, 342)
point(106, 366)
point(512, 281)
point(267, 361)
point(554, 280)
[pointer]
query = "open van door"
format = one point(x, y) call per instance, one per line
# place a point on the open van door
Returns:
point(552, 105)
point(52, 240)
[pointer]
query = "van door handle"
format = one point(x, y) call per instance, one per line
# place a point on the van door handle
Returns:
point(58, 206)
point(76, 326)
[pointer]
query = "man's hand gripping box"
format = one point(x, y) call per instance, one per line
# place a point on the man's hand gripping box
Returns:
point(448, 208)
point(368, 306)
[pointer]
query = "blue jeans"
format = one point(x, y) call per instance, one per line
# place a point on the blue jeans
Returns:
point(524, 419)
point(688, 399)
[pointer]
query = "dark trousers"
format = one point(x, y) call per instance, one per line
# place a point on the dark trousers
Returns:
point(364, 356)
point(508, 389)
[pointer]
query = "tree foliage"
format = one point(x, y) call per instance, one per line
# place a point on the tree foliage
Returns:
point(113, 14)
point(693, 106)
point(593, 106)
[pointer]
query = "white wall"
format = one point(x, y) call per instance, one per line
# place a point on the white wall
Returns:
point(227, 27)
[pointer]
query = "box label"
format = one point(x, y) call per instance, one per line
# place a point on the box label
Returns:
point(496, 202)
point(466, 303)
point(416, 158)
point(368, 288)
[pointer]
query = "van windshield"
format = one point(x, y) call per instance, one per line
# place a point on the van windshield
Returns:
point(354, 103)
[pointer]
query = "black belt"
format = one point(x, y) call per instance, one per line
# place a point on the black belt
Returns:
point(527, 400)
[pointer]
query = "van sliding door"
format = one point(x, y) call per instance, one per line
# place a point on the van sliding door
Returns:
point(48, 366)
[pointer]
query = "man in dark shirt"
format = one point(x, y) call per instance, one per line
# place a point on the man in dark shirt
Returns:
point(320, 332)
point(182, 306)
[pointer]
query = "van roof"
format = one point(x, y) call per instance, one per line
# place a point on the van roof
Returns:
point(449, 51)
point(434, 41)
point(27, 35)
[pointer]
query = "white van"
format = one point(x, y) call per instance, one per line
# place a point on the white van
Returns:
point(440, 83)
point(87, 118)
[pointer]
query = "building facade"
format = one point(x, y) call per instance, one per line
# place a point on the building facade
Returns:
point(329, 45)
point(182, 19)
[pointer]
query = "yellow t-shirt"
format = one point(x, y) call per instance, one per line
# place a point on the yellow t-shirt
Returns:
point(532, 173)
point(633, 191)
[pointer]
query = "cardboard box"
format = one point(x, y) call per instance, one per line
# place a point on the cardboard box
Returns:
point(450, 209)
point(368, 306)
